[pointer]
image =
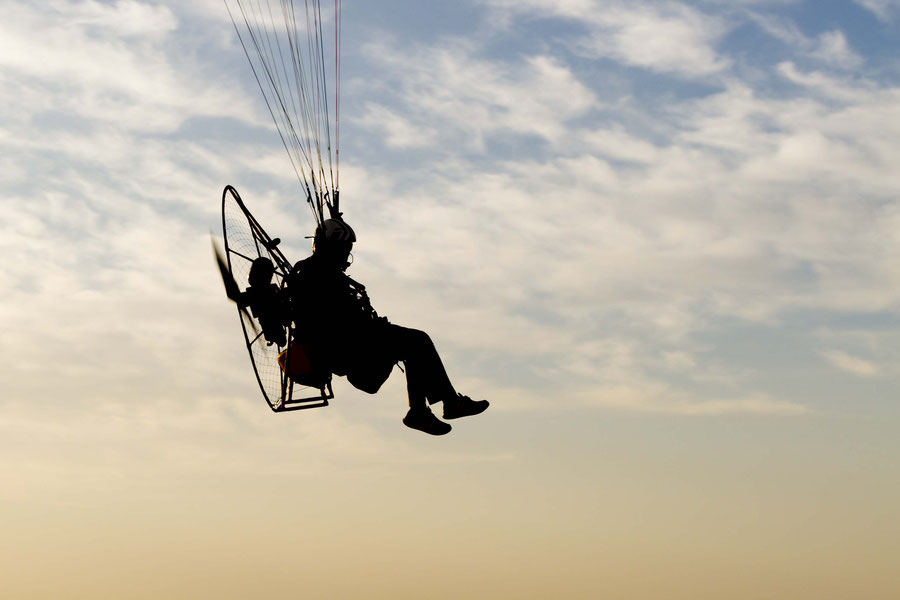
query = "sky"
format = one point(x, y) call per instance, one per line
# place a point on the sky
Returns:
point(660, 236)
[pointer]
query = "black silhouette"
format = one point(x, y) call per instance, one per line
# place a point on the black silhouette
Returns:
point(309, 321)
point(323, 323)
point(351, 339)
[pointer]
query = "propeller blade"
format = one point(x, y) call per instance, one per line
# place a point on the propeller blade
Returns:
point(231, 287)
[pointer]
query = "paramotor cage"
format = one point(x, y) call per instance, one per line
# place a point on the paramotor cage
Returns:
point(246, 241)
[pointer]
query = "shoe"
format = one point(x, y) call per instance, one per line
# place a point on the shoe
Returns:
point(463, 406)
point(424, 420)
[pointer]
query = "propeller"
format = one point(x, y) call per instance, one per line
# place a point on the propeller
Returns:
point(231, 287)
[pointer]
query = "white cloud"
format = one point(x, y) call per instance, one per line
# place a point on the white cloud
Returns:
point(123, 18)
point(829, 47)
point(832, 48)
point(470, 98)
point(107, 63)
point(851, 364)
point(398, 131)
point(668, 37)
point(827, 84)
point(588, 260)
point(671, 39)
point(618, 144)
point(883, 9)
point(738, 205)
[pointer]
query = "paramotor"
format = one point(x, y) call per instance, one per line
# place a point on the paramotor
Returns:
point(285, 381)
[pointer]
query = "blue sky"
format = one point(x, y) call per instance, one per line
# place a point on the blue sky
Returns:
point(661, 237)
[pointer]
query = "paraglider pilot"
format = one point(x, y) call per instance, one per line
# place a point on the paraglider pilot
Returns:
point(341, 331)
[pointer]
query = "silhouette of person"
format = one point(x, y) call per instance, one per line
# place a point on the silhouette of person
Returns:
point(342, 332)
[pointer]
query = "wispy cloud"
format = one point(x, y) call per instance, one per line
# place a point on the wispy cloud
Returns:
point(106, 63)
point(829, 47)
point(851, 364)
point(832, 48)
point(883, 9)
point(468, 97)
point(561, 229)
point(398, 131)
point(667, 37)
point(726, 205)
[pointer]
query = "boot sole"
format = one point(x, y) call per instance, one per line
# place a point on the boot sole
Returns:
point(471, 414)
point(434, 433)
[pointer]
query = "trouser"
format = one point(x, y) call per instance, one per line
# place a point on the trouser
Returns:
point(386, 345)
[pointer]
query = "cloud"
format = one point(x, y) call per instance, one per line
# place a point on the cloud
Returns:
point(672, 39)
point(851, 364)
point(398, 131)
point(124, 18)
point(883, 9)
point(470, 98)
point(556, 229)
point(832, 48)
point(657, 398)
point(105, 62)
point(829, 47)
point(827, 84)
point(646, 225)
point(679, 360)
point(666, 37)
point(104, 217)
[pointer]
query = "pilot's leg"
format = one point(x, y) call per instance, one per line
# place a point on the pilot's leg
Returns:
point(426, 378)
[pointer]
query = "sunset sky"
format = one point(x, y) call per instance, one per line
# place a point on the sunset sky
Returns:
point(662, 237)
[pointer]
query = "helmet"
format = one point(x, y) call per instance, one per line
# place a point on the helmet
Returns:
point(333, 232)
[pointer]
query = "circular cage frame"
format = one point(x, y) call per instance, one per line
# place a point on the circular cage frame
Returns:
point(245, 241)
